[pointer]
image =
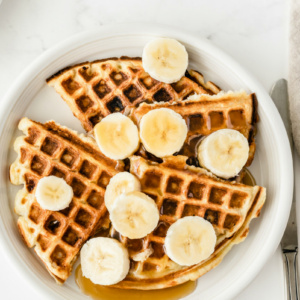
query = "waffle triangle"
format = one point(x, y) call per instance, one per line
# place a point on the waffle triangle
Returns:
point(95, 89)
point(51, 149)
point(180, 190)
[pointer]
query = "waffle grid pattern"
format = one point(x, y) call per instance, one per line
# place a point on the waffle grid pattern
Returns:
point(179, 193)
point(94, 90)
point(206, 114)
point(60, 235)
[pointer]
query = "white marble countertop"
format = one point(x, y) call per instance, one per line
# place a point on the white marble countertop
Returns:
point(254, 32)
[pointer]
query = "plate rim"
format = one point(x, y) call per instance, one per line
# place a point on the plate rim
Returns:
point(77, 40)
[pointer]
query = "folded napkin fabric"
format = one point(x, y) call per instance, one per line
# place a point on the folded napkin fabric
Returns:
point(294, 70)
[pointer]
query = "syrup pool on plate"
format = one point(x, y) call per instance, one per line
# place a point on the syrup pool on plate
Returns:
point(99, 292)
point(248, 178)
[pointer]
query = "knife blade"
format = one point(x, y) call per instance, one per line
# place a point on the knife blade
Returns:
point(279, 94)
point(289, 242)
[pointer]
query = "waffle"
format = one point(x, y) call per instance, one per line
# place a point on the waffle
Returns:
point(205, 114)
point(180, 190)
point(95, 89)
point(50, 149)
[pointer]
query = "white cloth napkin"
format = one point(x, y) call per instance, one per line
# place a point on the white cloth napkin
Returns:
point(294, 71)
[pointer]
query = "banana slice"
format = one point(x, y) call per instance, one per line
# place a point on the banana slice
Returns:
point(134, 215)
point(117, 136)
point(190, 240)
point(165, 59)
point(53, 193)
point(119, 184)
point(163, 131)
point(224, 152)
point(104, 261)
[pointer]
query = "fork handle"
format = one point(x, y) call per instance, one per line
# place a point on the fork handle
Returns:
point(291, 273)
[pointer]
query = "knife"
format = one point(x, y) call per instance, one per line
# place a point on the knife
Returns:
point(289, 242)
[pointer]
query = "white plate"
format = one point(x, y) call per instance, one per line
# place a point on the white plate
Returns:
point(272, 167)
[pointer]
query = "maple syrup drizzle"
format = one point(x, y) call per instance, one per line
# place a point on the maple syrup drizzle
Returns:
point(248, 178)
point(99, 292)
point(190, 148)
